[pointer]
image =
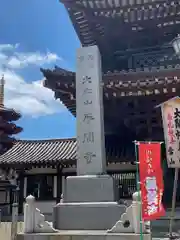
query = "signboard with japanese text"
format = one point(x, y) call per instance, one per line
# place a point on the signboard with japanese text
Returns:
point(171, 125)
point(151, 180)
point(89, 112)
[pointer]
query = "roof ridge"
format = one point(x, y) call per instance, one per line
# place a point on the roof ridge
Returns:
point(46, 140)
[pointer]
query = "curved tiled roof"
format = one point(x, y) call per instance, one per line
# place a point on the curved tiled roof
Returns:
point(9, 114)
point(40, 152)
point(62, 151)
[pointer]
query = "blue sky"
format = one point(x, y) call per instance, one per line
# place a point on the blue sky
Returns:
point(36, 34)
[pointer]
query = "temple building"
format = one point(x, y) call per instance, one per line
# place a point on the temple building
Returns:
point(139, 64)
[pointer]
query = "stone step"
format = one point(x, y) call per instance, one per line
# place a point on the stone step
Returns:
point(82, 235)
point(87, 216)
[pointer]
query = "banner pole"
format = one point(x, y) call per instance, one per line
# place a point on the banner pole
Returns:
point(138, 189)
point(173, 202)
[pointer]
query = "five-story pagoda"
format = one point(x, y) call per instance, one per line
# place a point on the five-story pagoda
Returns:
point(7, 127)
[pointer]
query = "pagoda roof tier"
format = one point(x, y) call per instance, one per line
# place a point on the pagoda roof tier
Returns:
point(118, 26)
point(6, 143)
point(63, 152)
point(9, 128)
point(5, 138)
point(9, 114)
point(157, 81)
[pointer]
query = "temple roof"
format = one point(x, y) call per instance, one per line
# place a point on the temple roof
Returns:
point(155, 81)
point(95, 20)
point(9, 127)
point(123, 29)
point(58, 151)
point(40, 152)
point(9, 114)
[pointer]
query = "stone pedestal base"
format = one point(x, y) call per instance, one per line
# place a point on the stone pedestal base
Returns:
point(83, 235)
point(90, 188)
point(89, 203)
point(87, 216)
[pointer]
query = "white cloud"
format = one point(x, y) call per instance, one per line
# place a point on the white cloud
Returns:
point(29, 98)
point(7, 47)
point(20, 60)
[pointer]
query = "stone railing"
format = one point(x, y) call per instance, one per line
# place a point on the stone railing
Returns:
point(130, 221)
point(34, 221)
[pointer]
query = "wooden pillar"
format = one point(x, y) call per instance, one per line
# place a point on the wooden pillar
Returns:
point(21, 192)
point(25, 187)
point(10, 199)
point(59, 183)
point(55, 187)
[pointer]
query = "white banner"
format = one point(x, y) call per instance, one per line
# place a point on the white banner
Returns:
point(171, 124)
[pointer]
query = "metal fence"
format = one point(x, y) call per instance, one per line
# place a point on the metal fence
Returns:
point(126, 182)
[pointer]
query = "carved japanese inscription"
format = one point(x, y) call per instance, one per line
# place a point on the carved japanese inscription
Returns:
point(171, 125)
point(90, 125)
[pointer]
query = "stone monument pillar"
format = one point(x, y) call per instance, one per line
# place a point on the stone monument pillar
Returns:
point(89, 108)
point(90, 198)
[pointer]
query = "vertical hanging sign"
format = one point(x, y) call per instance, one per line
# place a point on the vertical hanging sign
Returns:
point(171, 125)
point(151, 179)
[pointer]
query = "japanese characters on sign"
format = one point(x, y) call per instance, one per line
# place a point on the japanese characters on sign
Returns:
point(152, 198)
point(171, 125)
point(177, 125)
point(151, 179)
point(90, 125)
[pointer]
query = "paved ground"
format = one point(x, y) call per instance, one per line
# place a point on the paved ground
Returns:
point(160, 229)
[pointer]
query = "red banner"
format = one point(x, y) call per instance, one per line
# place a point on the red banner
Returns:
point(151, 179)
